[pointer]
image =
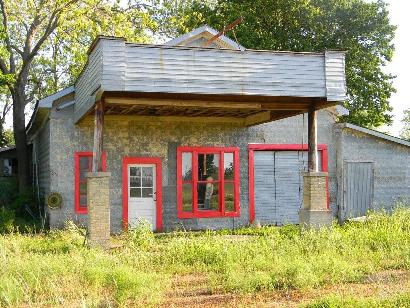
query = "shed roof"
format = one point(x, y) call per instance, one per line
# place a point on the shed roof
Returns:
point(374, 133)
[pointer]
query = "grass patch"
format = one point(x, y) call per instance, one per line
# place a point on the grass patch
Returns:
point(56, 269)
point(402, 300)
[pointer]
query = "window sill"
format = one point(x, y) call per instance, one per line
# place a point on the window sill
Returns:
point(207, 214)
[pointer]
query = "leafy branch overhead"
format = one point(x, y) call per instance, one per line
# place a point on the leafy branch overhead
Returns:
point(43, 48)
point(360, 27)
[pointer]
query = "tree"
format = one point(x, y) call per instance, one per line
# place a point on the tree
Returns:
point(43, 44)
point(360, 27)
point(26, 25)
point(405, 132)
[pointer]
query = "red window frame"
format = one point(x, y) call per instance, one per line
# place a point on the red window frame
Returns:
point(221, 182)
point(79, 209)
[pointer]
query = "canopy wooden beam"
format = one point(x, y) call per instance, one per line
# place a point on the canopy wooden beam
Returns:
point(258, 118)
point(312, 139)
point(98, 136)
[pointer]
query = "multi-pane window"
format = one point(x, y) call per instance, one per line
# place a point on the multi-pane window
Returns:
point(141, 182)
point(208, 182)
point(83, 164)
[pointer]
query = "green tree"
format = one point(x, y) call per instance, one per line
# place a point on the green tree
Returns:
point(405, 132)
point(6, 138)
point(43, 48)
point(360, 27)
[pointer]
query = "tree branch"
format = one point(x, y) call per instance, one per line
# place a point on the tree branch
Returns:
point(7, 39)
point(3, 67)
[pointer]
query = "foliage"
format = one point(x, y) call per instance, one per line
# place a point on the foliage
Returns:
point(360, 27)
point(6, 138)
point(24, 207)
point(43, 48)
point(8, 191)
point(65, 52)
point(56, 269)
point(141, 236)
point(6, 220)
point(405, 132)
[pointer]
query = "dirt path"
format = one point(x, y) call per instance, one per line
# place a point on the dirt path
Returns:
point(193, 291)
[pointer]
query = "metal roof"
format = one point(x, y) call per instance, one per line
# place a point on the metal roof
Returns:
point(376, 134)
point(47, 101)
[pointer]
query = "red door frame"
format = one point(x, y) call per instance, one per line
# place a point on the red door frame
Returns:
point(322, 148)
point(158, 167)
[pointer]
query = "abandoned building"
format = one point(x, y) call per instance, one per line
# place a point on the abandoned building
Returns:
point(194, 137)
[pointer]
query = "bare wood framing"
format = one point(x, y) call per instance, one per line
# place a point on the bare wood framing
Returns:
point(164, 119)
point(181, 103)
point(257, 118)
point(98, 136)
point(312, 139)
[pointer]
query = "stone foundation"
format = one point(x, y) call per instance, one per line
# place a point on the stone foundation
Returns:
point(98, 199)
point(315, 213)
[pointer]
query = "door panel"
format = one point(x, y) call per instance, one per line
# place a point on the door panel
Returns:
point(358, 189)
point(264, 181)
point(278, 185)
point(142, 194)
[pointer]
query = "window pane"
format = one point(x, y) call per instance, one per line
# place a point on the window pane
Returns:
point(83, 200)
point(147, 181)
point(85, 163)
point(208, 167)
point(228, 166)
point(187, 197)
point(135, 171)
point(229, 197)
point(187, 167)
point(135, 181)
point(208, 196)
point(146, 171)
point(147, 193)
point(83, 188)
point(135, 192)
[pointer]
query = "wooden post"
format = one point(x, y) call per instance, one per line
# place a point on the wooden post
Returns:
point(312, 139)
point(98, 136)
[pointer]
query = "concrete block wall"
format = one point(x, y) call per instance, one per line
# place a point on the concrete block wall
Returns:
point(130, 136)
point(391, 166)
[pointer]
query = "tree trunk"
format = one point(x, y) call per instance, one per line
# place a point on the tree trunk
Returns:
point(20, 138)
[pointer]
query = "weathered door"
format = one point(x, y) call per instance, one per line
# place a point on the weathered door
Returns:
point(264, 190)
point(358, 189)
point(142, 194)
point(278, 186)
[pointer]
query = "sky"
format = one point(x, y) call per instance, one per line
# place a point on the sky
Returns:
point(400, 65)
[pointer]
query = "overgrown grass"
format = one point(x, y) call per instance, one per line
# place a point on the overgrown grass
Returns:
point(402, 300)
point(56, 268)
